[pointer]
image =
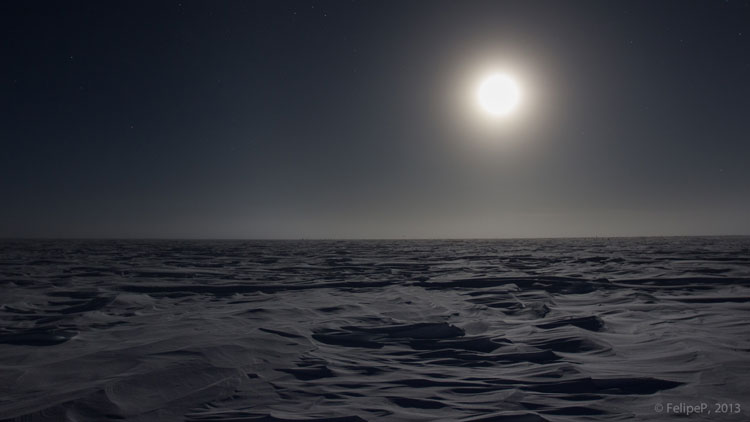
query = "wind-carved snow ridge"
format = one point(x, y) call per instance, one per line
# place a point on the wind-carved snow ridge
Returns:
point(475, 330)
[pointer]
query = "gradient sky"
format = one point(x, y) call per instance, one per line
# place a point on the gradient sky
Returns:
point(314, 119)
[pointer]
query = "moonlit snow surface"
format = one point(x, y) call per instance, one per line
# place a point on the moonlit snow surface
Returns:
point(513, 330)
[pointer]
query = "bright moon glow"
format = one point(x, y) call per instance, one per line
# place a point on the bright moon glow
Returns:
point(499, 95)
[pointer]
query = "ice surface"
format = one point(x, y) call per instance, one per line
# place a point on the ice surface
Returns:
point(515, 330)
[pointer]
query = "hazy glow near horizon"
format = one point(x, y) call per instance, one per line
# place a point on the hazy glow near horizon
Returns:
point(499, 94)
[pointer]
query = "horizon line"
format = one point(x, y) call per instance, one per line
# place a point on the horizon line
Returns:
point(272, 239)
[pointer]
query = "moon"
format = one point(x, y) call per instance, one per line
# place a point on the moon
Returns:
point(499, 94)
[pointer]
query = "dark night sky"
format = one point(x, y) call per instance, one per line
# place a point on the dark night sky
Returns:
point(349, 119)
